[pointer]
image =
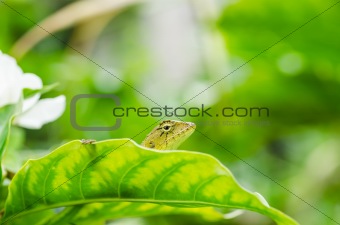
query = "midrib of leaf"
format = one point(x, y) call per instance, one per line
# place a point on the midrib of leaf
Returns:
point(168, 202)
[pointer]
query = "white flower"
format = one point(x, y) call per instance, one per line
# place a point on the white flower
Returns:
point(10, 75)
point(34, 113)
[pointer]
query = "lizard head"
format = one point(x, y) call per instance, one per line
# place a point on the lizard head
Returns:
point(169, 134)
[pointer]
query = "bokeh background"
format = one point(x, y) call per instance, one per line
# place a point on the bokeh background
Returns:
point(256, 53)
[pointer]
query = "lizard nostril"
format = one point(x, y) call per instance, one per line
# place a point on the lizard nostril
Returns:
point(152, 144)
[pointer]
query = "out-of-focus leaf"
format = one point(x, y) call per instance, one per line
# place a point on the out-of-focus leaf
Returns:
point(6, 114)
point(47, 88)
point(68, 16)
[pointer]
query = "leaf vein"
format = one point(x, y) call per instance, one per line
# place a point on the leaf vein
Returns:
point(171, 171)
point(128, 171)
point(203, 183)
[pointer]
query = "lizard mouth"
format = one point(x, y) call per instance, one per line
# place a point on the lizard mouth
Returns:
point(192, 125)
point(189, 129)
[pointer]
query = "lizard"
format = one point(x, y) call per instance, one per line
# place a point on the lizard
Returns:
point(169, 134)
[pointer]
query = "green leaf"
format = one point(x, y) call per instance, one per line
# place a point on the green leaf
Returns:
point(6, 114)
point(36, 218)
point(47, 88)
point(122, 171)
point(3, 195)
point(101, 212)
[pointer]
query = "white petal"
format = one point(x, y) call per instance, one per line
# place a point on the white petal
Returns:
point(31, 81)
point(233, 214)
point(10, 76)
point(262, 199)
point(30, 102)
point(45, 111)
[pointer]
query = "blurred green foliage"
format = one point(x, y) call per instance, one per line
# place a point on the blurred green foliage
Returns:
point(298, 79)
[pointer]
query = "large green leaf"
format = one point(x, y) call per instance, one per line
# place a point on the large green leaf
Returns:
point(6, 114)
point(122, 171)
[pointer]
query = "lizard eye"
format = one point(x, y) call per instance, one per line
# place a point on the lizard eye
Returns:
point(166, 128)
